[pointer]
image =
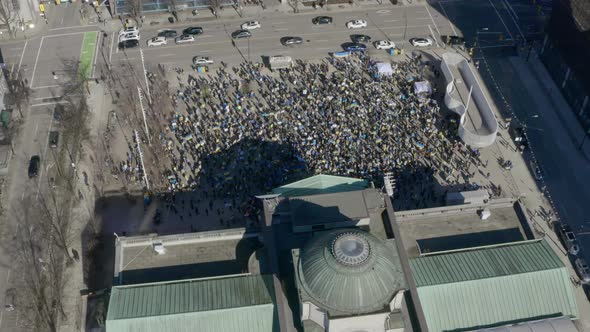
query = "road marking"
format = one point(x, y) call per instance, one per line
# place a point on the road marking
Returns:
point(433, 36)
point(383, 11)
point(36, 60)
point(390, 21)
point(45, 87)
point(74, 27)
point(85, 68)
point(169, 54)
point(62, 20)
point(432, 18)
point(281, 29)
point(448, 18)
point(68, 34)
point(11, 70)
point(501, 19)
point(50, 103)
point(95, 54)
point(204, 51)
point(204, 36)
point(282, 22)
point(351, 16)
point(111, 52)
point(36, 129)
point(321, 40)
point(513, 20)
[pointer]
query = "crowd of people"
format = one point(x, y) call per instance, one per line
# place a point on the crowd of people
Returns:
point(241, 131)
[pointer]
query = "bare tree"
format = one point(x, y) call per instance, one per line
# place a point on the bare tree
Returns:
point(8, 16)
point(134, 10)
point(19, 93)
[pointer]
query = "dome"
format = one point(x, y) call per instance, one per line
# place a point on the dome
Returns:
point(349, 272)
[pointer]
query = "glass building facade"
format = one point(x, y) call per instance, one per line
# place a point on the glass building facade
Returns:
point(122, 7)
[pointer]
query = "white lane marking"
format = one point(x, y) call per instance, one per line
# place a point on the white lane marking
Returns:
point(15, 48)
point(513, 20)
point(62, 20)
point(36, 60)
point(50, 103)
point(68, 34)
point(46, 86)
point(501, 19)
point(204, 51)
point(36, 129)
point(383, 11)
point(433, 36)
point(387, 21)
point(168, 54)
point(73, 27)
point(350, 16)
point(96, 54)
point(111, 52)
point(281, 29)
point(432, 18)
point(282, 22)
point(11, 70)
point(204, 36)
point(321, 40)
point(448, 19)
point(125, 59)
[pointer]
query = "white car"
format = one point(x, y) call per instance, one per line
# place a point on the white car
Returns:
point(384, 44)
point(127, 30)
point(184, 39)
point(202, 60)
point(156, 41)
point(129, 36)
point(356, 24)
point(421, 42)
point(250, 25)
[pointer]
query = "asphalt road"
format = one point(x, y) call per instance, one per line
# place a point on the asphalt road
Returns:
point(319, 40)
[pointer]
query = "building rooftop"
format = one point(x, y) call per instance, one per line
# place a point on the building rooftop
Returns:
point(192, 255)
point(234, 303)
point(459, 226)
point(348, 272)
point(321, 184)
point(493, 286)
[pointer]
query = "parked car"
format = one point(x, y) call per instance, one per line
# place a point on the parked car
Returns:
point(360, 38)
point(183, 39)
point(201, 60)
point(453, 40)
point(583, 270)
point(421, 42)
point(241, 34)
point(34, 164)
point(157, 41)
point(250, 25)
point(384, 44)
point(192, 31)
point(356, 24)
point(167, 33)
point(128, 30)
point(130, 43)
point(129, 36)
point(354, 47)
point(290, 41)
point(568, 238)
point(322, 20)
point(53, 138)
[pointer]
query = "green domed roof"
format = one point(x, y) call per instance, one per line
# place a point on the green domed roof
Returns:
point(349, 271)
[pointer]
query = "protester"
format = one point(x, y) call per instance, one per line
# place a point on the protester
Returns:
point(338, 117)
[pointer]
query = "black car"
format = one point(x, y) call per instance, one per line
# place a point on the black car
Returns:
point(241, 34)
point(53, 138)
point(130, 43)
point(354, 47)
point(360, 38)
point(288, 41)
point(167, 33)
point(453, 40)
point(322, 20)
point(192, 31)
point(34, 164)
